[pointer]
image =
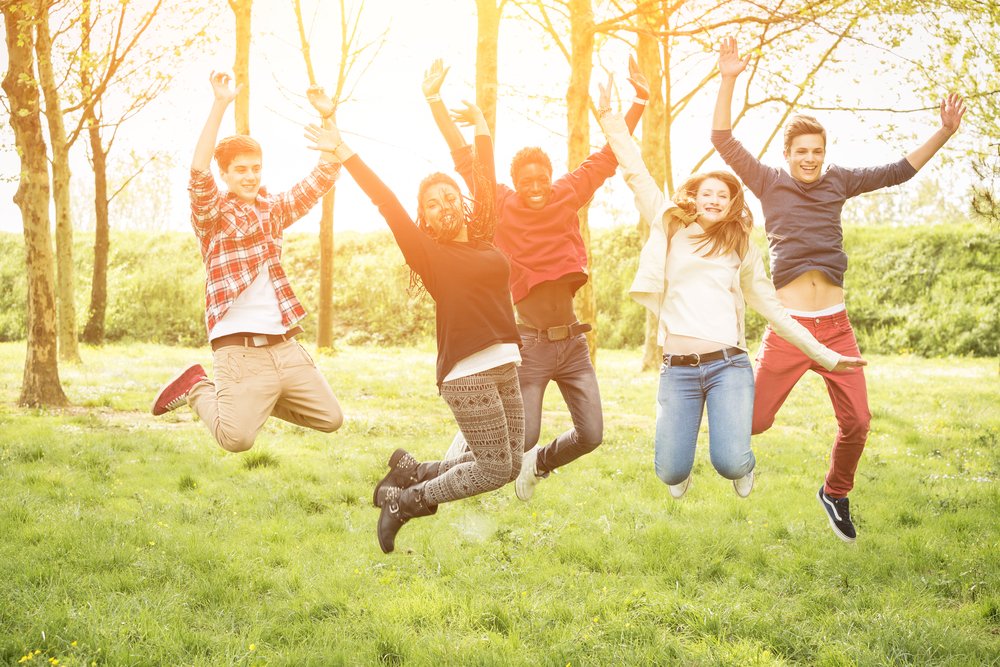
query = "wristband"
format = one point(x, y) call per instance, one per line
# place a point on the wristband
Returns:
point(433, 98)
point(640, 101)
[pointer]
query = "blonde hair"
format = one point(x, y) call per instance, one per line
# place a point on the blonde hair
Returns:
point(732, 233)
point(801, 124)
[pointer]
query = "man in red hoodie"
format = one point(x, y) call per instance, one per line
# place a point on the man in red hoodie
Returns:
point(539, 231)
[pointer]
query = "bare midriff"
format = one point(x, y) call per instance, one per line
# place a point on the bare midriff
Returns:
point(675, 344)
point(811, 291)
point(548, 304)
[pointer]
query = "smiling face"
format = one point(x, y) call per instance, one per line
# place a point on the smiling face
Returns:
point(805, 157)
point(441, 206)
point(712, 201)
point(242, 176)
point(533, 183)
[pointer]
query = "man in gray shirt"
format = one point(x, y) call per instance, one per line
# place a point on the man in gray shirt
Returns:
point(802, 219)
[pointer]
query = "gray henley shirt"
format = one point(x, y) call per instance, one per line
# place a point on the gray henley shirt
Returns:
point(802, 220)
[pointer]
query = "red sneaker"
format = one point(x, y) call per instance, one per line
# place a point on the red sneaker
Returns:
point(174, 393)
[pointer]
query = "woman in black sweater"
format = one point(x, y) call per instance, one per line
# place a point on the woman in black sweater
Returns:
point(450, 254)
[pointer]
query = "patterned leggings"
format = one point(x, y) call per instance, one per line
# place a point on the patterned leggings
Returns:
point(489, 410)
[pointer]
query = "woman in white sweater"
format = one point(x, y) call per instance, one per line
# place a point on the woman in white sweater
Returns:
point(696, 272)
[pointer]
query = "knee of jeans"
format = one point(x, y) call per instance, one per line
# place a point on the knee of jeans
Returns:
point(670, 475)
point(590, 437)
point(732, 468)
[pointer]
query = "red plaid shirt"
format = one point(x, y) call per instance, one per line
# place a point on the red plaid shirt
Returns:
point(236, 239)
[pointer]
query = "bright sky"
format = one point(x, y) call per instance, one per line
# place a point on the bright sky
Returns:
point(388, 122)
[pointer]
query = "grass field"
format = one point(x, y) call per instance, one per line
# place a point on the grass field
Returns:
point(133, 540)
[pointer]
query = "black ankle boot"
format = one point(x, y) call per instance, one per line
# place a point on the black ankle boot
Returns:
point(404, 471)
point(398, 507)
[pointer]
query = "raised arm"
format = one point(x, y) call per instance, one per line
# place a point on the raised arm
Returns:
point(730, 67)
point(600, 165)
point(649, 199)
point(952, 110)
point(224, 95)
point(433, 79)
point(756, 175)
point(411, 241)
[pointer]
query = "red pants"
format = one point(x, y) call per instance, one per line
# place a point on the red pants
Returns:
point(780, 365)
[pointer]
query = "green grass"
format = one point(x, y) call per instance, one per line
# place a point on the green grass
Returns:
point(133, 540)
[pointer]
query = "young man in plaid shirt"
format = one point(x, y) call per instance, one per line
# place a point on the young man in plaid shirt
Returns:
point(250, 309)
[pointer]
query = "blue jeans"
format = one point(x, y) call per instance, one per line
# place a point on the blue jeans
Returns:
point(727, 386)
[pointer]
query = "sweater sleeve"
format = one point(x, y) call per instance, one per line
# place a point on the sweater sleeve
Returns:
point(411, 241)
point(484, 155)
point(760, 294)
point(859, 181)
point(462, 157)
point(649, 198)
point(756, 175)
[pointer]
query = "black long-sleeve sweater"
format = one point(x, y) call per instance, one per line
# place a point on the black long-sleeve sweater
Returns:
point(468, 281)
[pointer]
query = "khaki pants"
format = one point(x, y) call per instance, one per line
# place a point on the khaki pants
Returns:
point(254, 383)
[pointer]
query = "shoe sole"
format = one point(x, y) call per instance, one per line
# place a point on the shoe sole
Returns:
point(833, 526)
point(393, 460)
point(168, 385)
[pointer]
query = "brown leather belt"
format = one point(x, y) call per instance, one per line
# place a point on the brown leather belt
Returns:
point(244, 339)
point(699, 359)
point(560, 332)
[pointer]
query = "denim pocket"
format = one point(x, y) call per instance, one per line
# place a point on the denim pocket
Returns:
point(740, 361)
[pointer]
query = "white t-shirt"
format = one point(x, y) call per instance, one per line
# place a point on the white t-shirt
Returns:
point(495, 355)
point(255, 309)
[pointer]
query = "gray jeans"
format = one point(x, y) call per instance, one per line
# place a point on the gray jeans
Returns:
point(567, 362)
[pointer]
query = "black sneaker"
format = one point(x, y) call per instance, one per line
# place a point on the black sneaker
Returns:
point(839, 512)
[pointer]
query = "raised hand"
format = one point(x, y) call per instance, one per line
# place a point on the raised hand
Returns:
point(220, 87)
point(730, 63)
point(847, 363)
point(952, 110)
point(433, 78)
point(637, 79)
point(604, 98)
point(470, 115)
point(326, 139)
point(321, 101)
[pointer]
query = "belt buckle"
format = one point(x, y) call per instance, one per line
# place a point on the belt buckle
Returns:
point(697, 359)
point(259, 340)
point(562, 332)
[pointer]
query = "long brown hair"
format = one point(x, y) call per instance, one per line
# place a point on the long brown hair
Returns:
point(732, 233)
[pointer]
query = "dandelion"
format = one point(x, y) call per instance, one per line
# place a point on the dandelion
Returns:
point(72, 643)
point(253, 647)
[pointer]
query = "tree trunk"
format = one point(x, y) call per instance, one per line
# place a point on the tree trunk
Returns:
point(578, 123)
point(487, 41)
point(93, 333)
point(654, 155)
point(40, 386)
point(69, 348)
point(241, 68)
point(324, 334)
